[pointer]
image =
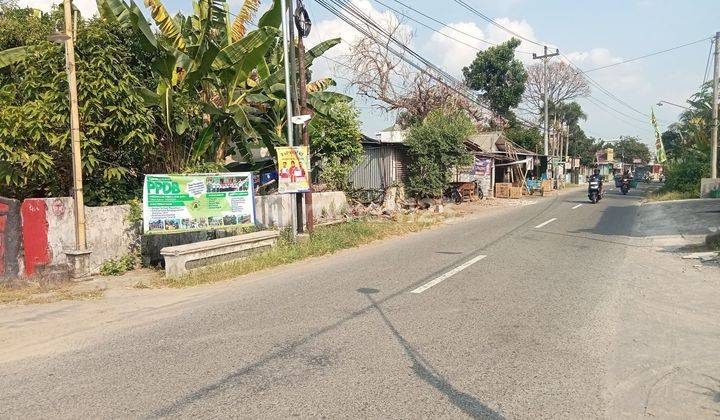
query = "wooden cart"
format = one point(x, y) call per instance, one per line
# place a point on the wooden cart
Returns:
point(464, 191)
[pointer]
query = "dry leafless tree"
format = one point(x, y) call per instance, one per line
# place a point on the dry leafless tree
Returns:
point(564, 84)
point(380, 75)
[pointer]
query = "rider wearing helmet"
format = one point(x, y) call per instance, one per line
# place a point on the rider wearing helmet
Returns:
point(597, 177)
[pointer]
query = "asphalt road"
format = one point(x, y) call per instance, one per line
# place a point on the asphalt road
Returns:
point(550, 310)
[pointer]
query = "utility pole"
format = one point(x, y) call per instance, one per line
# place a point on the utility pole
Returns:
point(288, 100)
point(80, 238)
point(567, 139)
point(714, 150)
point(545, 58)
point(297, 133)
point(303, 26)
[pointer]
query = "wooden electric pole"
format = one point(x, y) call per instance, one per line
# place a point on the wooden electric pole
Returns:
point(80, 237)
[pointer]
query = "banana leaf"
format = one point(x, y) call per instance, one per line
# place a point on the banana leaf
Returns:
point(202, 143)
point(168, 27)
point(233, 53)
point(319, 50)
point(12, 55)
point(142, 26)
point(273, 17)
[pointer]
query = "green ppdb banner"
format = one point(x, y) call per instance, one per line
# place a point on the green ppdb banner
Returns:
point(197, 201)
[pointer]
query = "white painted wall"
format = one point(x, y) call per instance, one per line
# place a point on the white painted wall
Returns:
point(109, 234)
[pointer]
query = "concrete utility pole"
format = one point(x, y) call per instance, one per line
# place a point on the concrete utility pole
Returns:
point(302, 87)
point(288, 101)
point(80, 238)
point(297, 132)
point(714, 150)
point(545, 58)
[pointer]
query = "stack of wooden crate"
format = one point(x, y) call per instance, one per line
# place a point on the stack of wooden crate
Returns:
point(502, 189)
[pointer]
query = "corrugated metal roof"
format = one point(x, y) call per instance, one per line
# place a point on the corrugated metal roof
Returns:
point(486, 142)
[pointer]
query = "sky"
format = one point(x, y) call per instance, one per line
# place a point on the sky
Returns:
point(590, 34)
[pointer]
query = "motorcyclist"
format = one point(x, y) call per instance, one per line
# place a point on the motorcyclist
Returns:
point(597, 177)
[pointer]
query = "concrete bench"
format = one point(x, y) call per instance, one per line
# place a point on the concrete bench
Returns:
point(179, 259)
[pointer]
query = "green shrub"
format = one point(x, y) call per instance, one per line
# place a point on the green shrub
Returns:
point(118, 266)
point(436, 145)
point(683, 175)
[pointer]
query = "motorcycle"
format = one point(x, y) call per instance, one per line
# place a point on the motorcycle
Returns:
point(625, 187)
point(594, 191)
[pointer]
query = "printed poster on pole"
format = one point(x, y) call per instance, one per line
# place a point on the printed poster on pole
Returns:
point(293, 169)
point(197, 201)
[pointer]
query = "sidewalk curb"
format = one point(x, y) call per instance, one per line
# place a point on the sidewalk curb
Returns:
point(685, 200)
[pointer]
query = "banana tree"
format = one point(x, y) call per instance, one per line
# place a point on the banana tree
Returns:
point(236, 76)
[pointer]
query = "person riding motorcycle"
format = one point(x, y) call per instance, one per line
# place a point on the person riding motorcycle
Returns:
point(596, 177)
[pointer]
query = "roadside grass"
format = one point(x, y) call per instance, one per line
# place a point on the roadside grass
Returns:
point(325, 240)
point(713, 242)
point(45, 292)
point(661, 195)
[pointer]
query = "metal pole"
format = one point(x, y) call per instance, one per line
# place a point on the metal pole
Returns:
point(80, 238)
point(297, 133)
point(714, 150)
point(302, 87)
point(545, 98)
point(288, 102)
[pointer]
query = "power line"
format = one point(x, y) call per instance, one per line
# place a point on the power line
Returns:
point(444, 24)
point(592, 81)
point(433, 29)
point(602, 89)
point(597, 103)
point(492, 21)
point(630, 60)
point(707, 64)
point(600, 103)
point(437, 73)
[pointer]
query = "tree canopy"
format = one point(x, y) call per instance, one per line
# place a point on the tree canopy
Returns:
point(498, 75)
point(629, 148)
point(436, 145)
point(117, 132)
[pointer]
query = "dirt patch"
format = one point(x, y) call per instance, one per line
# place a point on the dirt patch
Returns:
point(46, 292)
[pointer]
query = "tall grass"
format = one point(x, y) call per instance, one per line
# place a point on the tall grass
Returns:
point(325, 240)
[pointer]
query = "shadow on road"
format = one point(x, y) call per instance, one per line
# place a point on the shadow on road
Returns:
point(615, 221)
point(712, 392)
point(231, 379)
point(425, 371)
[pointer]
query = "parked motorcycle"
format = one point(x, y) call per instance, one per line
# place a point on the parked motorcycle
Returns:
point(594, 193)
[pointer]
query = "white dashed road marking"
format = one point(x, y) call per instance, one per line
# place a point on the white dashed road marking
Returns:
point(449, 274)
point(576, 206)
point(545, 223)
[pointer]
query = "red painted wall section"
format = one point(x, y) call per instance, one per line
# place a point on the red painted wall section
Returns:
point(35, 234)
point(4, 209)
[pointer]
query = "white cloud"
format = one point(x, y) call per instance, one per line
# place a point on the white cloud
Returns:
point(451, 54)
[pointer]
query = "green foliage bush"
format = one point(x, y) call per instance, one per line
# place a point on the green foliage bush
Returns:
point(335, 144)
point(118, 266)
point(435, 146)
point(116, 128)
point(684, 174)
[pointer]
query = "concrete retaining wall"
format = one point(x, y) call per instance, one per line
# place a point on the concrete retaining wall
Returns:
point(48, 231)
point(10, 239)
point(274, 210)
point(45, 227)
point(707, 185)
